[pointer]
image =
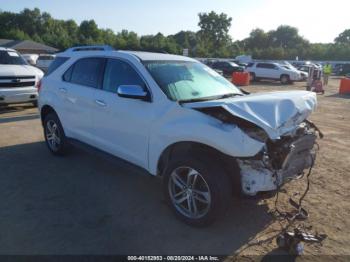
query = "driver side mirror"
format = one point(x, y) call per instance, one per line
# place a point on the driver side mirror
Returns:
point(132, 91)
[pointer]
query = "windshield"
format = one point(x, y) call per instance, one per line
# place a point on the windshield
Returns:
point(183, 80)
point(11, 58)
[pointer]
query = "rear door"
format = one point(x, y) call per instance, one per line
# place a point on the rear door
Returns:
point(81, 80)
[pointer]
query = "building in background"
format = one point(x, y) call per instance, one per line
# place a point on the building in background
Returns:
point(28, 46)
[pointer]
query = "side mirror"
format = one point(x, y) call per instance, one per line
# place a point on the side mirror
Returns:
point(132, 91)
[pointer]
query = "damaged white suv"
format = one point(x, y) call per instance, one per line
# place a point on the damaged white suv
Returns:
point(178, 119)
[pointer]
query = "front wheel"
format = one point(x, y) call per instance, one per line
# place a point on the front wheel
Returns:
point(197, 191)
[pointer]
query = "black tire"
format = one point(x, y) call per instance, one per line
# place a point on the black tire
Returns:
point(285, 79)
point(219, 188)
point(61, 145)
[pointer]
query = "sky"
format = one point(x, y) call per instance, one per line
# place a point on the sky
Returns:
point(318, 21)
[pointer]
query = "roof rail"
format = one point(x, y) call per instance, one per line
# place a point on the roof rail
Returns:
point(90, 48)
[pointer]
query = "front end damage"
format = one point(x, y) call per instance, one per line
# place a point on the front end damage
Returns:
point(279, 120)
point(280, 161)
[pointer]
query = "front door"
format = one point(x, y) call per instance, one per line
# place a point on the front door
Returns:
point(122, 124)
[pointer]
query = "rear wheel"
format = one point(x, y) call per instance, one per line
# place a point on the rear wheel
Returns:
point(55, 138)
point(197, 190)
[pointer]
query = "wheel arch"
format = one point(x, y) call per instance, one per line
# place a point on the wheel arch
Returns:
point(191, 148)
point(45, 110)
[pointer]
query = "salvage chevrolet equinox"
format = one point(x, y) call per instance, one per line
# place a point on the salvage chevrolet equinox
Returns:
point(178, 119)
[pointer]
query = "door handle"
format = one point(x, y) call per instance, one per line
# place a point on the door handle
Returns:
point(63, 90)
point(100, 102)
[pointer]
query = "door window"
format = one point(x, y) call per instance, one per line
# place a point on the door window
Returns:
point(119, 73)
point(86, 72)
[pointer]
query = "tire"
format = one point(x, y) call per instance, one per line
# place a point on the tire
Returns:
point(208, 191)
point(55, 137)
point(284, 79)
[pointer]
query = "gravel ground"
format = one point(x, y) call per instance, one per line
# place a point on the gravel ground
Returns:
point(84, 204)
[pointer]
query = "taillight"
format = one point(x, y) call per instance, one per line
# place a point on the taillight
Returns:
point(38, 85)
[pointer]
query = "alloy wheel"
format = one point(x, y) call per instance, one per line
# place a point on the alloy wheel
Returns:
point(189, 192)
point(53, 135)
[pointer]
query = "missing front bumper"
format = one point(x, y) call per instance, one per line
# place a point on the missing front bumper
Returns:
point(259, 175)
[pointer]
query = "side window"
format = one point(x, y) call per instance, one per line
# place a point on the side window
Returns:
point(68, 74)
point(261, 65)
point(118, 73)
point(56, 64)
point(86, 71)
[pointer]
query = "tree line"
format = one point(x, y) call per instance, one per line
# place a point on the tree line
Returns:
point(211, 40)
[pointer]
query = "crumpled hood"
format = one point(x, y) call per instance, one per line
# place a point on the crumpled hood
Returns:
point(276, 112)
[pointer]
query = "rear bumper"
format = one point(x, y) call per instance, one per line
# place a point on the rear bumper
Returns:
point(18, 95)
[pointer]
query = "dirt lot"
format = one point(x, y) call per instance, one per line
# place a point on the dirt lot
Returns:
point(83, 204)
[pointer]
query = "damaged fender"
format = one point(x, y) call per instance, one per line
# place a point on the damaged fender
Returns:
point(179, 124)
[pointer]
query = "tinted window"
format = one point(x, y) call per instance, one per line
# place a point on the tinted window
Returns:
point(46, 57)
point(250, 64)
point(68, 74)
point(87, 72)
point(266, 65)
point(56, 64)
point(11, 58)
point(118, 73)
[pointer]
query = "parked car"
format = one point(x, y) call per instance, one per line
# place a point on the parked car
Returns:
point(304, 75)
point(273, 71)
point(44, 61)
point(31, 58)
point(227, 68)
point(176, 118)
point(18, 80)
point(342, 70)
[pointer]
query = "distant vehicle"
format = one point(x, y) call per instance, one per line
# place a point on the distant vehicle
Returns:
point(176, 118)
point(18, 79)
point(44, 61)
point(304, 75)
point(273, 71)
point(342, 70)
point(227, 67)
point(244, 59)
point(31, 58)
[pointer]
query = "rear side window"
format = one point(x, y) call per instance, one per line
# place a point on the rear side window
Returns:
point(56, 64)
point(86, 72)
point(118, 73)
point(266, 65)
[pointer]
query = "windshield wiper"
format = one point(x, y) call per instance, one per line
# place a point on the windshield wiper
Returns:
point(200, 99)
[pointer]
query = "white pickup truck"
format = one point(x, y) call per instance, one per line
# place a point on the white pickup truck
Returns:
point(273, 71)
point(18, 79)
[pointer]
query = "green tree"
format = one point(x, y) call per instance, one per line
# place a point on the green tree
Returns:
point(213, 31)
point(343, 38)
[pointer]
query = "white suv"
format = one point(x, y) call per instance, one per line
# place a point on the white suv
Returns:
point(18, 79)
point(178, 119)
point(273, 71)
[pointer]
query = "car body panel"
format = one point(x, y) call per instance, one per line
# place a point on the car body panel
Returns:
point(276, 112)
